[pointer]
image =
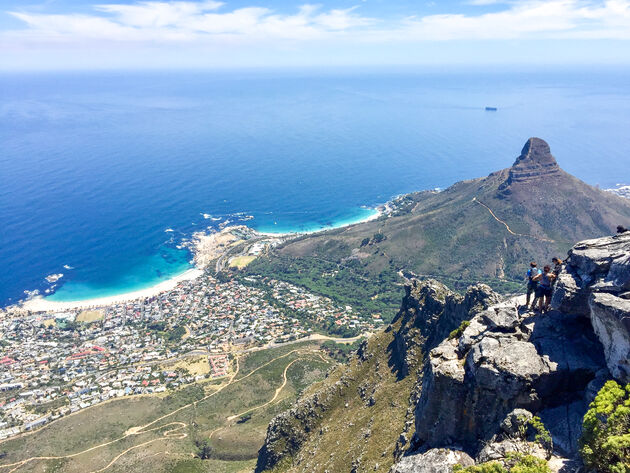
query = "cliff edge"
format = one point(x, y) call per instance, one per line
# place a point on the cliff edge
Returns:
point(461, 379)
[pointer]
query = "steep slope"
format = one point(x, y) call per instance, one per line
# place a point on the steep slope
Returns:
point(361, 417)
point(508, 360)
point(469, 398)
point(483, 229)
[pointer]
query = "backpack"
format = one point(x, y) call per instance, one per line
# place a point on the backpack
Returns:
point(532, 272)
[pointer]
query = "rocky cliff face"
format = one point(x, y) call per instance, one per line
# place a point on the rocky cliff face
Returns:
point(362, 416)
point(429, 312)
point(534, 163)
point(464, 399)
point(596, 284)
point(509, 359)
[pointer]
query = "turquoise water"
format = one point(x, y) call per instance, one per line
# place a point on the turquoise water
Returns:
point(96, 167)
point(352, 216)
point(171, 262)
point(157, 268)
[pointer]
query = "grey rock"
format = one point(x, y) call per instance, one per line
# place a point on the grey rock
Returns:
point(470, 387)
point(594, 284)
point(515, 422)
point(499, 450)
point(438, 460)
point(429, 312)
point(564, 423)
point(534, 162)
point(610, 316)
point(569, 295)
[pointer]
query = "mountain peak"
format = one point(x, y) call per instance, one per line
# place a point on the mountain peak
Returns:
point(535, 161)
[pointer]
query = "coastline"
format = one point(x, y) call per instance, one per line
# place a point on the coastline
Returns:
point(379, 211)
point(203, 245)
point(40, 304)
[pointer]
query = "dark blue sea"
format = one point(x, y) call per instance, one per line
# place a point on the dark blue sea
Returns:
point(95, 168)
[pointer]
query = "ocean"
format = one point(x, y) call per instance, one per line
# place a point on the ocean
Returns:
point(103, 175)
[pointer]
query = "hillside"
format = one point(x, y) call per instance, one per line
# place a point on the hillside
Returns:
point(212, 426)
point(420, 399)
point(482, 229)
point(360, 418)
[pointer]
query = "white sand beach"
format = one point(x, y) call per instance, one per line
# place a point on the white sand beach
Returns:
point(206, 248)
point(42, 304)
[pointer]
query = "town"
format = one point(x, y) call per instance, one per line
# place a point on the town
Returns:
point(55, 364)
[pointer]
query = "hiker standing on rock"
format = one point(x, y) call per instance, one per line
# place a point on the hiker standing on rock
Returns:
point(532, 284)
point(544, 289)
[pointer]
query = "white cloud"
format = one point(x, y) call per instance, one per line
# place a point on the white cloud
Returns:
point(183, 20)
point(535, 19)
point(205, 20)
point(158, 14)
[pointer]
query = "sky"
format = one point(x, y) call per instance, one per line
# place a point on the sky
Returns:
point(113, 34)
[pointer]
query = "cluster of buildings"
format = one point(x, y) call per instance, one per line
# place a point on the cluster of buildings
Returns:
point(54, 364)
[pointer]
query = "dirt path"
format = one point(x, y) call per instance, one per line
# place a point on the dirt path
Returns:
point(506, 225)
point(271, 401)
point(171, 433)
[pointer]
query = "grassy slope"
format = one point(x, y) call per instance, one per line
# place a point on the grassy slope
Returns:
point(449, 236)
point(351, 431)
point(234, 447)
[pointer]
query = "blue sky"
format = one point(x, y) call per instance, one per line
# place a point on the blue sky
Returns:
point(82, 34)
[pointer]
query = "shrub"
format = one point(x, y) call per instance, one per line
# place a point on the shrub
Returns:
point(204, 450)
point(459, 330)
point(605, 442)
point(542, 435)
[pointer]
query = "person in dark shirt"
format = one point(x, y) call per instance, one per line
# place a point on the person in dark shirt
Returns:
point(557, 268)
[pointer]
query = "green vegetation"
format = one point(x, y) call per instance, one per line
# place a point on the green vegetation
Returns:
point(346, 284)
point(340, 352)
point(50, 406)
point(448, 236)
point(89, 316)
point(197, 465)
point(241, 262)
point(376, 238)
point(176, 334)
point(605, 442)
point(513, 463)
point(542, 436)
point(204, 450)
point(459, 330)
point(361, 410)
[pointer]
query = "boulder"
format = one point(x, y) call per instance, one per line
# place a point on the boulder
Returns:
point(610, 316)
point(516, 422)
point(505, 360)
point(498, 450)
point(437, 460)
point(570, 295)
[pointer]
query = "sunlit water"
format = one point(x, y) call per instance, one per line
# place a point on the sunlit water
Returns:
point(94, 168)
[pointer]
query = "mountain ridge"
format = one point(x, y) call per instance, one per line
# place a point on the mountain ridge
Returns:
point(447, 234)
